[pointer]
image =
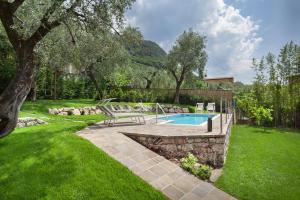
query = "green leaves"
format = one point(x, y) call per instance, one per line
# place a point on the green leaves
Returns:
point(261, 115)
point(276, 86)
point(187, 54)
point(190, 164)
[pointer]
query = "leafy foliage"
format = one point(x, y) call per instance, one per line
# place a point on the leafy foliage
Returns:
point(261, 115)
point(7, 61)
point(187, 55)
point(204, 172)
point(276, 86)
point(190, 164)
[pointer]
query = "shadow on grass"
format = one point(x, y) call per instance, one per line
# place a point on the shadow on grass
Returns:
point(35, 162)
point(271, 130)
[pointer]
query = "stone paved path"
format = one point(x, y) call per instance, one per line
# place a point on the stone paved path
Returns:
point(162, 174)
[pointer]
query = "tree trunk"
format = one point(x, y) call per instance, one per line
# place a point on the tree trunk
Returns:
point(32, 94)
point(149, 83)
point(176, 97)
point(93, 79)
point(15, 93)
point(33, 91)
point(55, 86)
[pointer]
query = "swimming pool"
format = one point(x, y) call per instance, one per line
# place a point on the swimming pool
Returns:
point(187, 119)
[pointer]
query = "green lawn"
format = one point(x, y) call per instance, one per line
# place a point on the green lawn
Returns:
point(262, 165)
point(51, 162)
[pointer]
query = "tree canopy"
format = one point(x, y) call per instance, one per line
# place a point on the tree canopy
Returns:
point(187, 55)
point(27, 22)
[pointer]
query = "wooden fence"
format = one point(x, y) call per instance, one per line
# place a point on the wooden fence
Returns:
point(214, 94)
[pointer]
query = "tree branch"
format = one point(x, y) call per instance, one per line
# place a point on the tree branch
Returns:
point(15, 5)
point(42, 31)
point(174, 74)
point(6, 17)
point(70, 31)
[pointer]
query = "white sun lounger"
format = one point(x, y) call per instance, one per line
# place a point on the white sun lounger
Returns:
point(113, 117)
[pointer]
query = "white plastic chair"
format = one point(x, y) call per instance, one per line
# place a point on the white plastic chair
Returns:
point(199, 106)
point(211, 107)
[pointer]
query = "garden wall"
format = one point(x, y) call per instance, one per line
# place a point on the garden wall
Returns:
point(75, 111)
point(28, 121)
point(209, 148)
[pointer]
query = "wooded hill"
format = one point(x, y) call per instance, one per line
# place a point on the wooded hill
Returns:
point(147, 53)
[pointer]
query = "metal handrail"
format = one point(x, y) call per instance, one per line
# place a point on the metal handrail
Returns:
point(156, 109)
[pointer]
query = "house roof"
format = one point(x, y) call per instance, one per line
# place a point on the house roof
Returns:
point(228, 79)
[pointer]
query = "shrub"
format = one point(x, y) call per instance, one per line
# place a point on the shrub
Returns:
point(191, 109)
point(261, 115)
point(190, 164)
point(204, 172)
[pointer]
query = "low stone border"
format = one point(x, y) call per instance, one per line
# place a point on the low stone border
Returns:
point(28, 121)
point(75, 111)
point(168, 109)
point(174, 109)
point(94, 110)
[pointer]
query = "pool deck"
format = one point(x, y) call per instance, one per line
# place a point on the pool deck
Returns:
point(159, 172)
point(169, 130)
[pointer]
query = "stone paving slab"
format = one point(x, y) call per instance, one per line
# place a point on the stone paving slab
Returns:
point(159, 172)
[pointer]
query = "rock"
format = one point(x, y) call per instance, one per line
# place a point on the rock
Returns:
point(86, 111)
point(21, 125)
point(171, 110)
point(53, 111)
point(76, 112)
point(216, 173)
point(66, 109)
point(178, 110)
point(197, 165)
point(92, 112)
point(63, 113)
point(185, 110)
point(30, 123)
point(39, 121)
point(93, 108)
point(98, 111)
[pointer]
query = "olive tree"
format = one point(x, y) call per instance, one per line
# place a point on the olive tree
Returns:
point(27, 22)
point(187, 55)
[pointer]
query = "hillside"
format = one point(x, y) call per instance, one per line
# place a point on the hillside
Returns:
point(147, 53)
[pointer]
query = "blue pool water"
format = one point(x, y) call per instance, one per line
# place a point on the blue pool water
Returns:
point(187, 119)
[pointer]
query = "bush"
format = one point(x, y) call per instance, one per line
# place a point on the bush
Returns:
point(190, 164)
point(191, 109)
point(261, 115)
point(204, 172)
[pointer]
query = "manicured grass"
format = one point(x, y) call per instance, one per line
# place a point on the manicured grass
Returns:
point(51, 162)
point(262, 165)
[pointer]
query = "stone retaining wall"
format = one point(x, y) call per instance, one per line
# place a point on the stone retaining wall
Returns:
point(75, 111)
point(209, 149)
point(174, 109)
point(28, 121)
point(94, 110)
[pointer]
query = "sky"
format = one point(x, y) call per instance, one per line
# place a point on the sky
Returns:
point(236, 30)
